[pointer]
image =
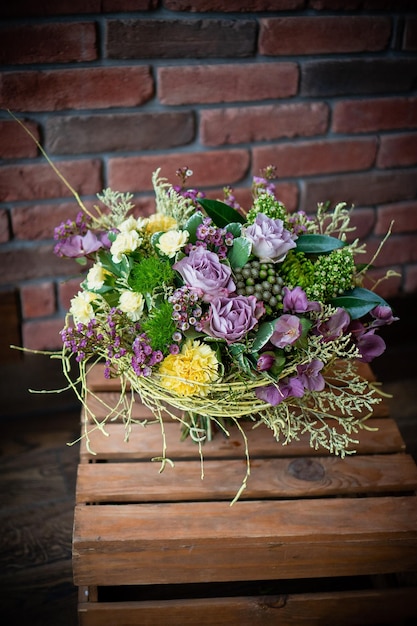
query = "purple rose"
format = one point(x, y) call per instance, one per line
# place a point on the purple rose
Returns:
point(287, 330)
point(202, 272)
point(232, 318)
point(270, 240)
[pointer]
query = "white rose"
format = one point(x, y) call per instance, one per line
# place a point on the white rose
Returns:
point(96, 277)
point(173, 240)
point(81, 309)
point(124, 243)
point(131, 303)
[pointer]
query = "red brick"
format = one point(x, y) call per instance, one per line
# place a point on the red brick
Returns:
point(397, 150)
point(37, 221)
point(354, 76)
point(260, 81)
point(404, 215)
point(370, 5)
point(29, 263)
point(67, 290)
point(122, 132)
point(4, 226)
point(335, 5)
point(358, 116)
point(27, 8)
point(208, 38)
point(39, 181)
point(121, 6)
point(81, 88)
point(323, 35)
point(48, 43)
point(15, 142)
point(42, 334)
point(361, 189)
point(385, 287)
point(410, 34)
point(37, 300)
point(363, 221)
point(397, 249)
point(260, 123)
point(203, 6)
point(316, 157)
point(410, 279)
point(210, 169)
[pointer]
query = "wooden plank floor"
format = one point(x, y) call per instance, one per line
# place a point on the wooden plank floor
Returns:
point(37, 481)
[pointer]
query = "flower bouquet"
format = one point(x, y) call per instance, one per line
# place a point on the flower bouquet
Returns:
point(214, 315)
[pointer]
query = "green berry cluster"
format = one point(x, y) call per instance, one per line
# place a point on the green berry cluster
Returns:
point(333, 274)
point(262, 281)
point(268, 205)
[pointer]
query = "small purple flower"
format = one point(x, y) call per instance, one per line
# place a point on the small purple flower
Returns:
point(382, 315)
point(296, 301)
point(270, 240)
point(78, 245)
point(335, 326)
point(370, 346)
point(287, 330)
point(310, 376)
point(232, 318)
point(265, 361)
point(203, 273)
point(275, 394)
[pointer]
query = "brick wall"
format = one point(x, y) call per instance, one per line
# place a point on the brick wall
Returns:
point(323, 89)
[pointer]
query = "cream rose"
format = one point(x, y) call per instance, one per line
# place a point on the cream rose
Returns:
point(124, 243)
point(81, 308)
point(96, 277)
point(131, 303)
point(170, 242)
point(129, 224)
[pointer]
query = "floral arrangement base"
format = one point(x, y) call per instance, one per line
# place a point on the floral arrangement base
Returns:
point(314, 537)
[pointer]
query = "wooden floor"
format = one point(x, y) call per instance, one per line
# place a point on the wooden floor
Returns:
point(37, 479)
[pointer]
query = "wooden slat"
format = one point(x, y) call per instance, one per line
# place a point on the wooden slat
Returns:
point(342, 608)
point(270, 478)
point(203, 542)
point(146, 443)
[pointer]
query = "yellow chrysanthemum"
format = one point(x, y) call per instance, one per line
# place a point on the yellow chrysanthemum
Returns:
point(190, 372)
point(158, 222)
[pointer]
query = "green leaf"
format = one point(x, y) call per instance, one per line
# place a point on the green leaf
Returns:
point(235, 229)
point(240, 252)
point(358, 302)
point(222, 214)
point(192, 224)
point(263, 335)
point(118, 269)
point(318, 244)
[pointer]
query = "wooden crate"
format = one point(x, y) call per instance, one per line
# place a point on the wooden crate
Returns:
point(314, 539)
